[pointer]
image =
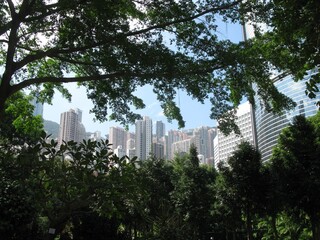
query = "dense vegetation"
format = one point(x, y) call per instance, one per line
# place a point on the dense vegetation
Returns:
point(115, 47)
point(83, 191)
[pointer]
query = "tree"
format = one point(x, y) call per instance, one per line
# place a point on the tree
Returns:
point(291, 42)
point(295, 159)
point(243, 176)
point(113, 47)
point(193, 196)
point(57, 184)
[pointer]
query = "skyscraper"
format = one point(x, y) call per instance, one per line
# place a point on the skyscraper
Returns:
point(160, 130)
point(174, 136)
point(38, 107)
point(71, 128)
point(268, 125)
point(225, 145)
point(118, 137)
point(143, 138)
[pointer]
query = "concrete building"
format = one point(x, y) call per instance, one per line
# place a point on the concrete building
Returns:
point(71, 128)
point(158, 150)
point(204, 141)
point(143, 138)
point(225, 145)
point(118, 137)
point(160, 130)
point(119, 151)
point(182, 147)
point(174, 136)
point(38, 107)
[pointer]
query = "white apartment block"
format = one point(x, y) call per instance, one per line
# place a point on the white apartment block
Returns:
point(225, 145)
point(143, 138)
point(174, 136)
point(183, 146)
point(71, 128)
point(118, 137)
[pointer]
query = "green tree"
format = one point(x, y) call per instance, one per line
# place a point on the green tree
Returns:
point(295, 159)
point(156, 211)
point(193, 196)
point(113, 47)
point(243, 177)
point(18, 126)
point(291, 43)
point(56, 183)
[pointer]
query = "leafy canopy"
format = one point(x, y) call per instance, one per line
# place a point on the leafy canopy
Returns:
point(114, 47)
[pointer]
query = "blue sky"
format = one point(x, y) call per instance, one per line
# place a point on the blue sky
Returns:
point(194, 113)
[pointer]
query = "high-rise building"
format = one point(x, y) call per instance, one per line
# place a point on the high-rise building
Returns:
point(38, 107)
point(143, 138)
point(174, 136)
point(131, 145)
point(119, 151)
point(201, 137)
point(203, 142)
point(96, 136)
point(182, 147)
point(267, 125)
point(71, 128)
point(160, 130)
point(225, 145)
point(118, 137)
point(158, 150)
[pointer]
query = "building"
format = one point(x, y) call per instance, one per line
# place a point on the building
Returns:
point(38, 107)
point(203, 140)
point(160, 130)
point(225, 145)
point(174, 136)
point(158, 150)
point(96, 136)
point(143, 138)
point(118, 137)
point(119, 151)
point(71, 128)
point(269, 126)
point(182, 147)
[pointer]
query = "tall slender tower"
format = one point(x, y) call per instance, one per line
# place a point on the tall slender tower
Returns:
point(143, 138)
point(160, 129)
point(118, 137)
point(71, 128)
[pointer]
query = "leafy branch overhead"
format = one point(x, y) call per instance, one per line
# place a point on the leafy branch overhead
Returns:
point(114, 47)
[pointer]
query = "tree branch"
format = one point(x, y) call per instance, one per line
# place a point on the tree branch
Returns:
point(55, 51)
point(109, 76)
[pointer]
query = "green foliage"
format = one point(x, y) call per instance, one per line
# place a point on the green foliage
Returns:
point(291, 44)
point(18, 125)
point(295, 161)
point(114, 48)
point(83, 189)
point(243, 178)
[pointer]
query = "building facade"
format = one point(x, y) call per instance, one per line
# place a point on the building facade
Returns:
point(225, 145)
point(269, 126)
point(143, 138)
point(118, 137)
point(160, 130)
point(71, 128)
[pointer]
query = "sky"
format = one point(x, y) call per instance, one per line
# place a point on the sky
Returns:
point(194, 113)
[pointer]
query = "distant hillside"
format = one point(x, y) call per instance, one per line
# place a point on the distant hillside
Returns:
point(51, 128)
